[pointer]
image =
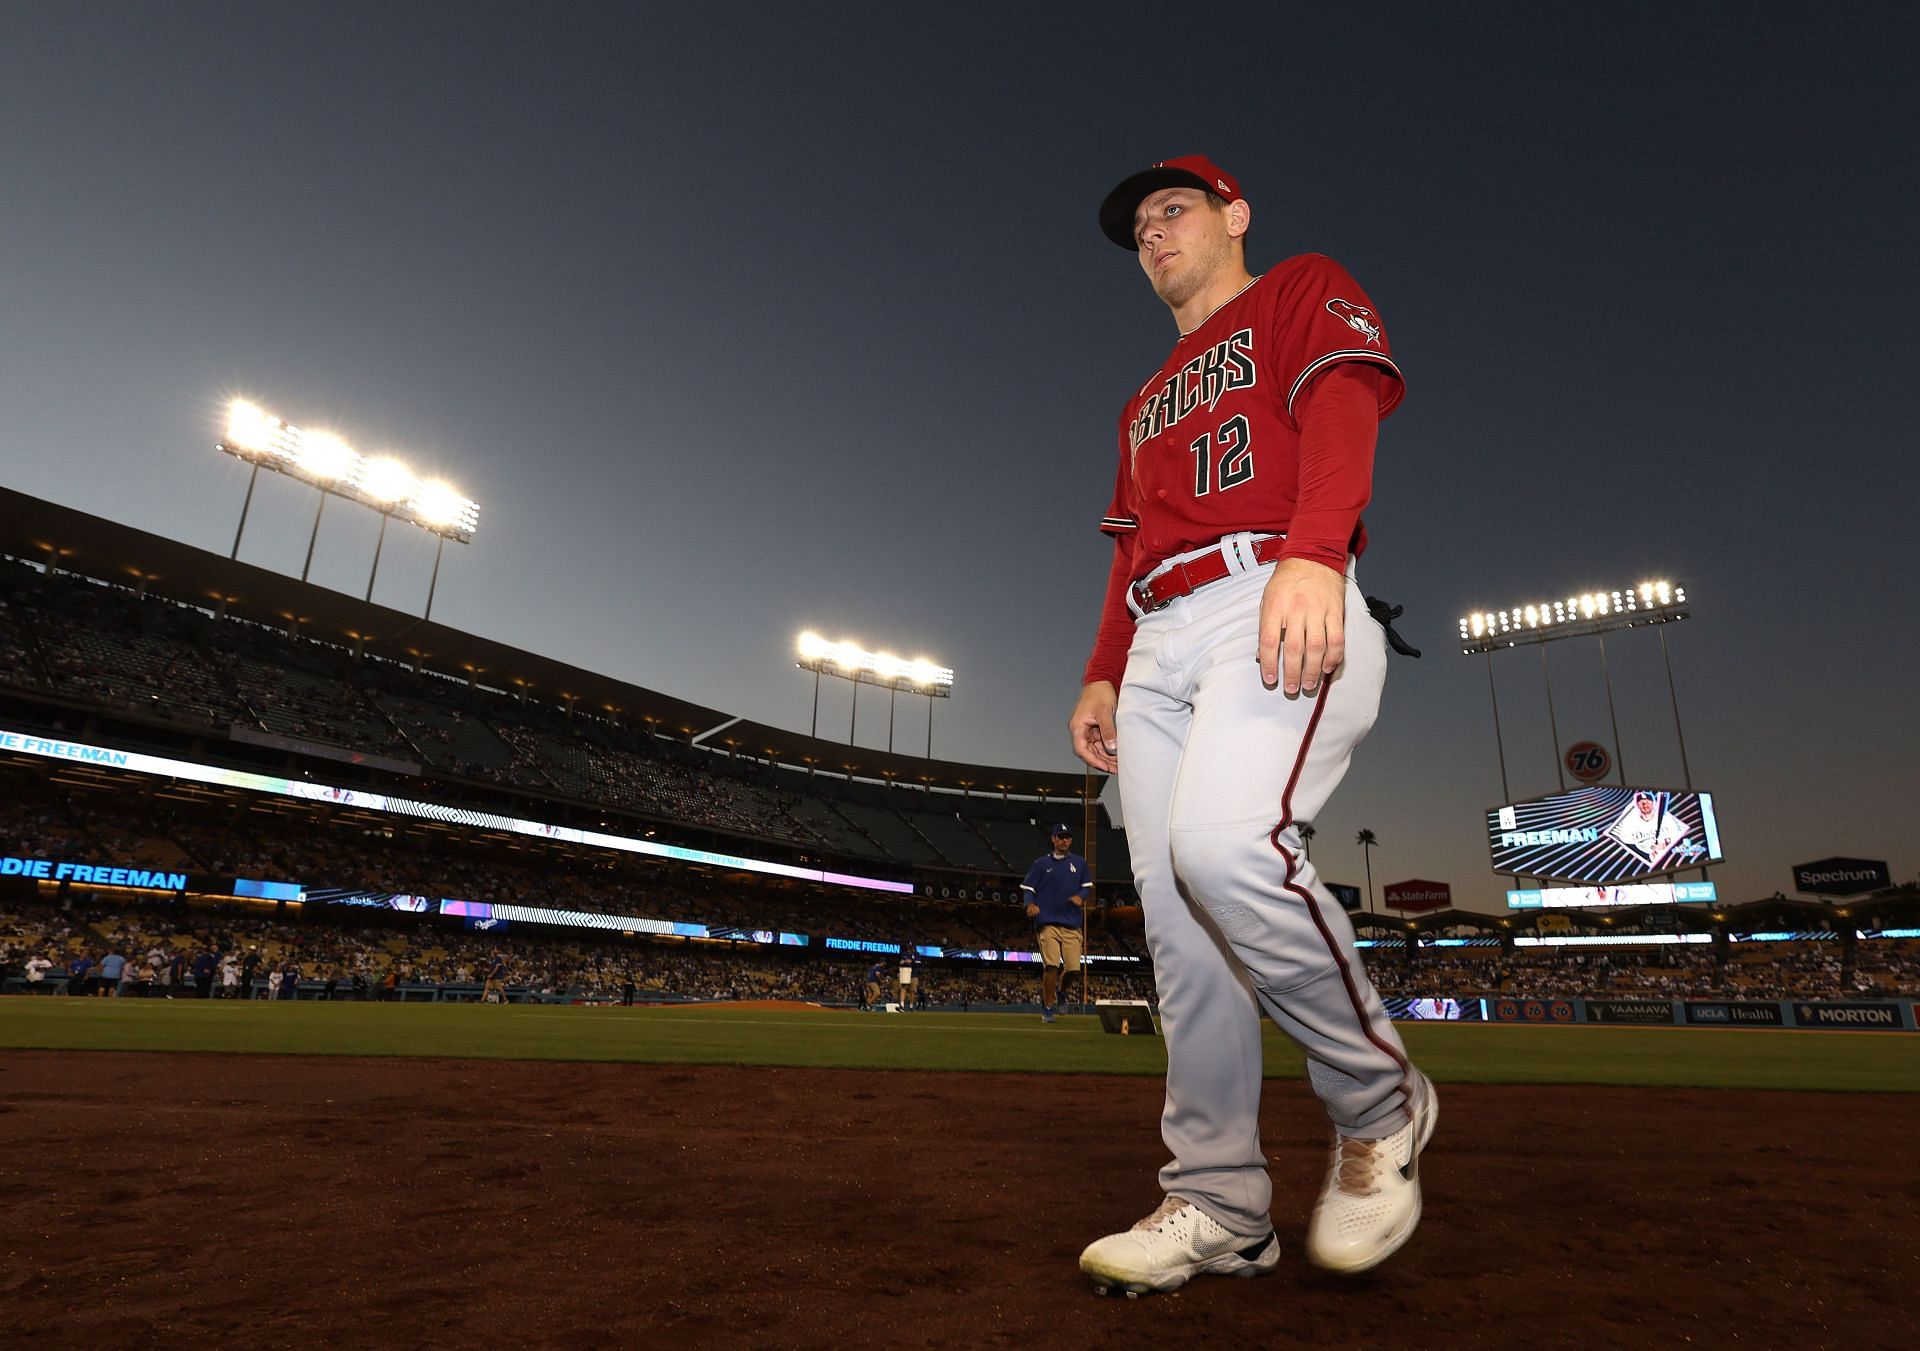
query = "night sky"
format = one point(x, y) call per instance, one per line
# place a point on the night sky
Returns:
point(740, 321)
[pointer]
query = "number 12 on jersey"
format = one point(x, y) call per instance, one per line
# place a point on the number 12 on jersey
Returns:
point(1234, 443)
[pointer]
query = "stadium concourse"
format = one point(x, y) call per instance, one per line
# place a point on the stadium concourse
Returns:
point(733, 859)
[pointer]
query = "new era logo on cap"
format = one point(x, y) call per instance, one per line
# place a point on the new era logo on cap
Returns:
point(1218, 180)
point(1186, 171)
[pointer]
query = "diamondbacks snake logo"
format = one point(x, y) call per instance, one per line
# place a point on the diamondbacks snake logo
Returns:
point(1358, 318)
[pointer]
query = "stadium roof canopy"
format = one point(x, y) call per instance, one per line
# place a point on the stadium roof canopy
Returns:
point(91, 546)
point(833, 757)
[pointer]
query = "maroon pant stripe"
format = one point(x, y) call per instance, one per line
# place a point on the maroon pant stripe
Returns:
point(1313, 906)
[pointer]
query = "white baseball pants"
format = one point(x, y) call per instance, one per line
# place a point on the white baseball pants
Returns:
point(1216, 772)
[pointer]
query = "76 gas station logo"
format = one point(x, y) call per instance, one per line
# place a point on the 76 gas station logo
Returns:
point(1588, 761)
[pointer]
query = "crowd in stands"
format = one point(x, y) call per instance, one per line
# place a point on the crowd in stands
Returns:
point(107, 646)
point(177, 952)
point(164, 948)
point(304, 843)
point(1811, 969)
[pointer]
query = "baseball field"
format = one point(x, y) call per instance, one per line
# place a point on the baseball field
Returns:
point(787, 1176)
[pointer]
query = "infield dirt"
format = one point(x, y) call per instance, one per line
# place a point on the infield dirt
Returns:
point(151, 1198)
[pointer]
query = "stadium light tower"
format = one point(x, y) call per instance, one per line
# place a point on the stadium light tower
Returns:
point(851, 662)
point(1589, 614)
point(326, 461)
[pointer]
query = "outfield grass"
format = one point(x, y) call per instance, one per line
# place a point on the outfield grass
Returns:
point(720, 1035)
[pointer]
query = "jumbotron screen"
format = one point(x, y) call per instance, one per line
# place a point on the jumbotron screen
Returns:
point(1604, 834)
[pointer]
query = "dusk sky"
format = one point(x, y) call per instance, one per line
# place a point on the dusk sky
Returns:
point(740, 320)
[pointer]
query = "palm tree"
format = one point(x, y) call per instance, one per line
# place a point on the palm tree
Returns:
point(1306, 838)
point(1366, 840)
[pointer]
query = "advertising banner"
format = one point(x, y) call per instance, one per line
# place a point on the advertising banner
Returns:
point(1513, 1009)
point(1646, 1012)
point(1588, 761)
point(1349, 897)
point(1416, 896)
point(1736, 1013)
point(1604, 834)
point(1842, 877)
point(1854, 1017)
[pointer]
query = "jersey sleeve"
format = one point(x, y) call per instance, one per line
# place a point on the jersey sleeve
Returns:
point(1114, 635)
point(1121, 518)
point(1032, 878)
point(1323, 318)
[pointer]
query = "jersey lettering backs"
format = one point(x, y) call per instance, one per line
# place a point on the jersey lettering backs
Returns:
point(1210, 445)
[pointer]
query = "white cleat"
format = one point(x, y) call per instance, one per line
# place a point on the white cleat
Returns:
point(1370, 1205)
point(1171, 1246)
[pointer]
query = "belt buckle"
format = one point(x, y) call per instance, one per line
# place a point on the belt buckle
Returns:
point(1143, 593)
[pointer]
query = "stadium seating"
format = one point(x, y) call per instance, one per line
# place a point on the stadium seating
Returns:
point(106, 646)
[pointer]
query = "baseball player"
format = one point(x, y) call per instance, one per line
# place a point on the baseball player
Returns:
point(1236, 667)
point(1055, 891)
point(1647, 827)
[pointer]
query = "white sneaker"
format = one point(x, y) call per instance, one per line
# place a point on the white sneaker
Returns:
point(1175, 1243)
point(1371, 1202)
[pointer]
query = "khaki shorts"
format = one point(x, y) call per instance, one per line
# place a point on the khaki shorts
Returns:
point(1060, 946)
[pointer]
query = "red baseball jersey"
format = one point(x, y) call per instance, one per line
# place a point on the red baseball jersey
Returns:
point(1210, 445)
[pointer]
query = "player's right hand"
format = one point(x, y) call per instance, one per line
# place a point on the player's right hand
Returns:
point(1033, 911)
point(1091, 726)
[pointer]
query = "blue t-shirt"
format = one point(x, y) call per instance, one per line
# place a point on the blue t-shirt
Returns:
point(1052, 883)
point(111, 965)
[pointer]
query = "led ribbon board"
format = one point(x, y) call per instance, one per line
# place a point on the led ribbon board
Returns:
point(133, 762)
point(1604, 834)
point(1633, 893)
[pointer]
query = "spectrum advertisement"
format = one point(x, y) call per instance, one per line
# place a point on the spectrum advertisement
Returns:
point(1604, 834)
point(134, 762)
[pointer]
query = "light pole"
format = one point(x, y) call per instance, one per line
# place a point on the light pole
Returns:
point(1589, 614)
point(338, 470)
point(245, 505)
point(851, 662)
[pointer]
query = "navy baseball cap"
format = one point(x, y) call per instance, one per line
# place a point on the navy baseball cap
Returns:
point(1188, 171)
point(1063, 829)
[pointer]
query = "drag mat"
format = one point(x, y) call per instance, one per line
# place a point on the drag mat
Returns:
point(151, 1198)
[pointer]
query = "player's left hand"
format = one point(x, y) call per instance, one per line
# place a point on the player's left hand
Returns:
point(1303, 625)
